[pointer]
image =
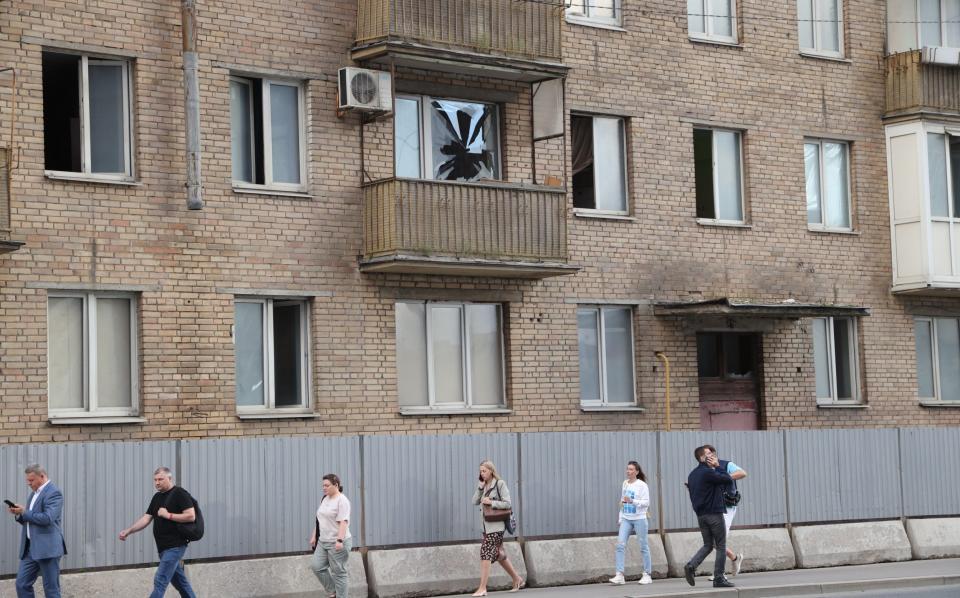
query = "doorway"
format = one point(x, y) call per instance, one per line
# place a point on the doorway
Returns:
point(729, 372)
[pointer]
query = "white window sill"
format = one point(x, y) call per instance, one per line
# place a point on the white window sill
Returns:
point(277, 414)
point(831, 57)
point(834, 231)
point(272, 192)
point(601, 215)
point(839, 405)
point(79, 177)
point(599, 24)
point(935, 403)
point(722, 223)
point(420, 411)
point(94, 420)
point(732, 43)
point(611, 409)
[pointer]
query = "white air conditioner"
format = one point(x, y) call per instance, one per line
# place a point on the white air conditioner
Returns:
point(365, 90)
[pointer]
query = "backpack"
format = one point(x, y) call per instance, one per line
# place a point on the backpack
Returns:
point(193, 531)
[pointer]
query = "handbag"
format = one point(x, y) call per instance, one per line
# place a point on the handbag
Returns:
point(492, 514)
point(731, 499)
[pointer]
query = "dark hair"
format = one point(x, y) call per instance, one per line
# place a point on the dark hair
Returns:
point(333, 479)
point(699, 452)
point(712, 449)
point(640, 475)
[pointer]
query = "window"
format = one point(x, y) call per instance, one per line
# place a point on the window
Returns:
point(590, 12)
point(828, 184)
point(943, 156)
point(938, 358)
point(446, 140)
point(605, 336)
point(820, 24)
point(719, 176)
point(86, 116)
point(267, 133)
point(272, 354)
point(915, 24)
point(599, 163)
point(727, 355)
point(712, 20)
point(450, 355)
point(92, 354)
point(835, 357)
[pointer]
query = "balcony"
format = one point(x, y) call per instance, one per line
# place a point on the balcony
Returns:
point(6, 244)
point(469, 229)
point(500, 38)
point(920, 81)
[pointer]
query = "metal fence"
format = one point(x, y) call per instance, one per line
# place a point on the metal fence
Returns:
point(259, 494)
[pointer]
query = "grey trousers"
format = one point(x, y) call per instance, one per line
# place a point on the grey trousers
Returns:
point(330, 566)
point(714, 532)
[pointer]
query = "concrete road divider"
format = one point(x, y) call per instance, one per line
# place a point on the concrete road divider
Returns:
point(764, 550)
point(850, 544)
point(99, 584)
point(586, 560)
point(281, 576)
point(934, 538)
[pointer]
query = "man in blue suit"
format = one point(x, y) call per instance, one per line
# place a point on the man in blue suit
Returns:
point(41, 538)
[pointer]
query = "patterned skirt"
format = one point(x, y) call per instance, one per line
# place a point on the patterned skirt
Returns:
point(490, 549)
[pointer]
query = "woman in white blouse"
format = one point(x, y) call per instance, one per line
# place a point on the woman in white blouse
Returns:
point(331, 539)
point(634, 502)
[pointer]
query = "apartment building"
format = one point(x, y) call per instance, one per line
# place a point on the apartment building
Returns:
point(426, 216)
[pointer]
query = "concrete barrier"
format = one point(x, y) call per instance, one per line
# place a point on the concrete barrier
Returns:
point(586, 560)
point(281, 576)
point(436, 570)
point(99, 584)
point(763, 549)
point(934, 538)
point(850, 544)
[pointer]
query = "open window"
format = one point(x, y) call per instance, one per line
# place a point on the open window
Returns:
point(599, 163)
point(835, 357)
point(719, 175)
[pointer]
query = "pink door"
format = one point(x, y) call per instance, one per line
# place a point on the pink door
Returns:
point(729, 380)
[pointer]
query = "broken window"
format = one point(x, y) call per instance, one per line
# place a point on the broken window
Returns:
point(599, 163)
point(267, 133)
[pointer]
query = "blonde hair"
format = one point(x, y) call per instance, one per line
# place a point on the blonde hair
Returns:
point(488, 464)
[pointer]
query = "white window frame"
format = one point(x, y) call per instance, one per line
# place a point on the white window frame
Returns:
point(267, 140)
point(823, 204)
point(584, 17)
point(708, 35)
point(935, 359)
point(918, 24)
point(85, 149)
point(602, 354)
point(624, 165)
point(714, 173)
point(269, 383)
point(952, 218)
point(817, 49)
point(90, 357)
point(426, 135)
point(853, 356)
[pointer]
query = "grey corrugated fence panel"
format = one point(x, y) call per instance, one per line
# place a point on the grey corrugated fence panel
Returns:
point(418, 488)
point(930, 471)
point(572, 480)
point(106, 486)
point(259, 495)
point(843, 475)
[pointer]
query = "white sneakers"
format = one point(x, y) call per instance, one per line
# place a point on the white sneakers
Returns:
point(645, 579)
point(618, 579)
point(737, 563)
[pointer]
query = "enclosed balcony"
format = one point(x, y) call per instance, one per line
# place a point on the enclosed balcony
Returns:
point(498, 38)
point(923, 81)
point(471, 229)
point(6, 243)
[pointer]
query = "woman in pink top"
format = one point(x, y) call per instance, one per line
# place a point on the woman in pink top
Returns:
point(331, 539)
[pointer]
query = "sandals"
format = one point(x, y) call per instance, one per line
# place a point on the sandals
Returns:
point(520, 586)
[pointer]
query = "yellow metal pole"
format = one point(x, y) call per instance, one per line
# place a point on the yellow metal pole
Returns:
point(666, 364)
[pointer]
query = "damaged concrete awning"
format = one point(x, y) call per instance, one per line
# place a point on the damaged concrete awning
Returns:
point(788, 309)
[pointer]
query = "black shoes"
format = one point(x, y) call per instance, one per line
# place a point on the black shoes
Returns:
point(721, 582)
point(688, 572)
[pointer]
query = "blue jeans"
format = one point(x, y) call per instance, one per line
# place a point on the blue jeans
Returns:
point(639, 527)
point(27, 576)
point(170, 571)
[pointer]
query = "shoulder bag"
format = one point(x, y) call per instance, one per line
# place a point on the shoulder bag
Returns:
point(491, 514)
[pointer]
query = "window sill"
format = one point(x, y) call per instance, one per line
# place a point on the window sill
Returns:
point(94, 420)
point(842, 406)
point(598, 215)
point(278, 414)
point(945, 404)
point(720, 223)
point(834, 231)
point(588, 22)
point(608, 409)
point(418, 412)
point(816, 56)
point(78, 177)
point(715, 42)
point(270, 191)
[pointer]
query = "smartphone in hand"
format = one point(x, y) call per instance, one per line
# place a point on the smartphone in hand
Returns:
point(9, 504)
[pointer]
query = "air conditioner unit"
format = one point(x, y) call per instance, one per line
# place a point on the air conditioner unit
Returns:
point(365, 90)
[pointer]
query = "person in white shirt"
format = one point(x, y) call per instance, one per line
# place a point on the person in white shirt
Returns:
point(737, 473)
point(331, 539)
point(634, 502)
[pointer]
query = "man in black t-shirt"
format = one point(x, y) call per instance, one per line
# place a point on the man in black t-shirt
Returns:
point(168, 507)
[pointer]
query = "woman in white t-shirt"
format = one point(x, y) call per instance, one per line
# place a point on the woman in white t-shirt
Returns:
point(634, 502)
point(331, 539)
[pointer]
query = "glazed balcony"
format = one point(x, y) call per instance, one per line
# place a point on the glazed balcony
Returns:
point(471, 229)
point(925, 80)
point(499, 38)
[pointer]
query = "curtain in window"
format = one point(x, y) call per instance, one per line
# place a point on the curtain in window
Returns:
point(464, 141)
point(836, 188)
point(811, 162)
point(113, 353)
point(65, 352)
point(581, 133)
point(107, 139)
point(285, 133)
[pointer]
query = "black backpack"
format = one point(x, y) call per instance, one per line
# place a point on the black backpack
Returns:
point(193, 531)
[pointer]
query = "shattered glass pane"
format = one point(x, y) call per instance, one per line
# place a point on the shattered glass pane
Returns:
point(464, 141)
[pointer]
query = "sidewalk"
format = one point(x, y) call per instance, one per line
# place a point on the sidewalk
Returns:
point(778, 584)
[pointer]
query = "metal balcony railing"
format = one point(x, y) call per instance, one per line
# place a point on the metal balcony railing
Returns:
point(913, 85)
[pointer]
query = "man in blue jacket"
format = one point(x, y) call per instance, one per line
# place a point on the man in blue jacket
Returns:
point(706, 484)
point(41, 538)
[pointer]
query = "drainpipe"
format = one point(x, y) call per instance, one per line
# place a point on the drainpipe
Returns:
point(666, 363)
point(191, 86)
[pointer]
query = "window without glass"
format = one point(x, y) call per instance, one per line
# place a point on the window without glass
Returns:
point(828, 184)
point(272, 354)
point(727, 355)
point(938, 358)
point(450, 355)
point(86, 115)
point(605, 337)
point(820, 24)
point(267, 133)
point(719, 177)
point(446, 140)
point(607, 12)
point(712, 20)
point(915, 24)
point(835, 357)
point(599, 163)
point(91, 354)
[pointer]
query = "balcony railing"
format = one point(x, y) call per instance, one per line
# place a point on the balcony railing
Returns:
point(526, 29)
point(497, 229)
point(4, 195)
point(915, 85)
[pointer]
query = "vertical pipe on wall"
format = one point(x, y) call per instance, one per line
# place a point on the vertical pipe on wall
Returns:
point(191, 86)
